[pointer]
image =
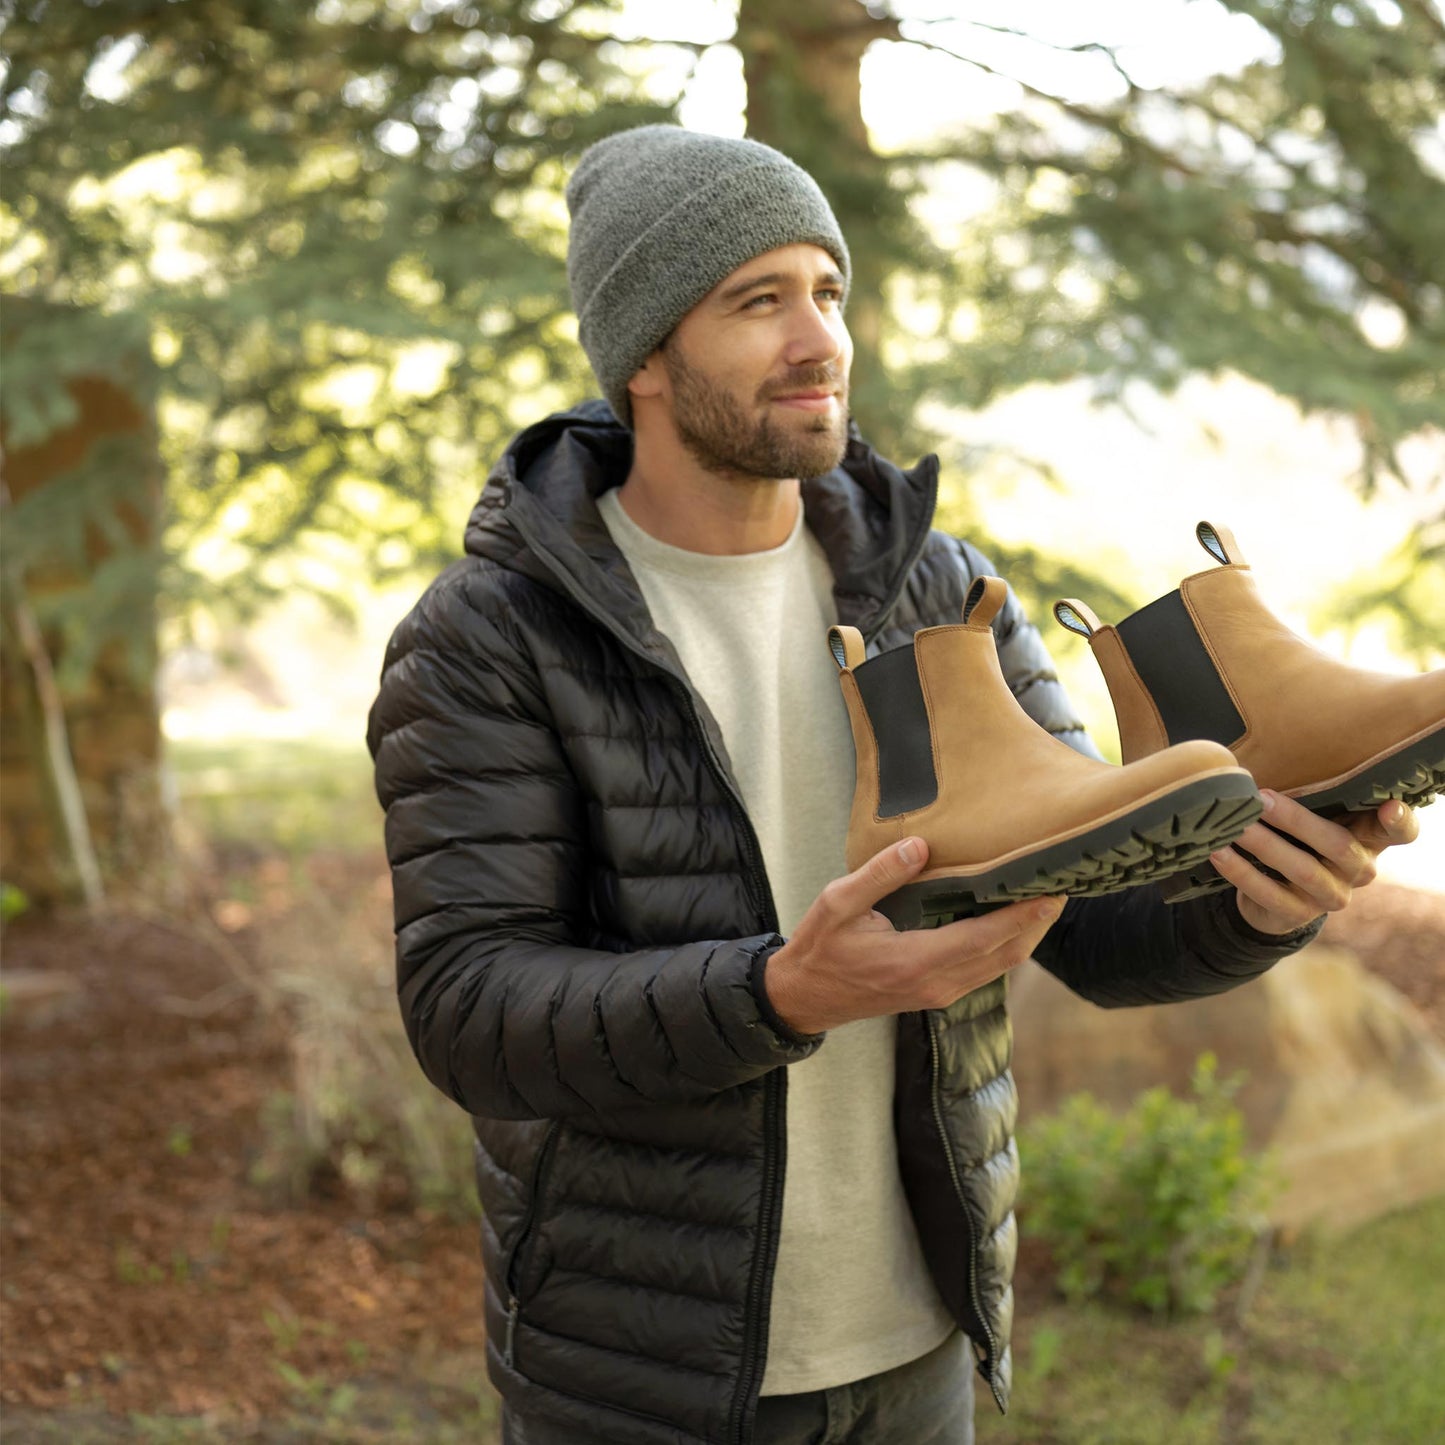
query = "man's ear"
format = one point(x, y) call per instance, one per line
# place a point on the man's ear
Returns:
point(647, 380)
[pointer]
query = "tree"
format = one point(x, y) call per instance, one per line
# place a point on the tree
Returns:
point(334, 224)
point(335, 227)
point(1286, 223)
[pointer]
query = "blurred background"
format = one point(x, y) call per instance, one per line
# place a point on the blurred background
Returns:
point(277, 283)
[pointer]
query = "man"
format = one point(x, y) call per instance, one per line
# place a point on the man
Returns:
point(734, 1187)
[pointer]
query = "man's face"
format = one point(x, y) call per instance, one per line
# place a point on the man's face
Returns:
point(755, 376)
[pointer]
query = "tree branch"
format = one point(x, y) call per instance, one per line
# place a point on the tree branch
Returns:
point(1102, 120)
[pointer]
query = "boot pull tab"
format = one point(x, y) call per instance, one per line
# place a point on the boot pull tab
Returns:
point(1220, 544)
point(847, 646)
point(985, 597)
point(1077, 616)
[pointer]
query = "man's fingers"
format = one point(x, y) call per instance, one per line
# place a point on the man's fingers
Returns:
point(988, 932)
point(1387, 826)
point(1325, 871)
point(855, 893)
point(1281, 908)
point(971, 952)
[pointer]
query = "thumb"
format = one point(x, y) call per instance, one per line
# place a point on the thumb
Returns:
point(1390, 825)
point(885, 871)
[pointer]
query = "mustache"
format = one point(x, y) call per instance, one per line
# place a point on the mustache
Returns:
point(805, 378)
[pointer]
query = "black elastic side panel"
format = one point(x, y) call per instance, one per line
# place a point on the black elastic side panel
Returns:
point(893, 696)
point(1174, 665)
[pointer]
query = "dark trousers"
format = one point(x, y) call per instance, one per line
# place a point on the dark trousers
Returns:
point(928, 1401)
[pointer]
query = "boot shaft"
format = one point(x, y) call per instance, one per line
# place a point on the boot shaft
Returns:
point(1210, 660)
point(945, 750)
point(906, 715)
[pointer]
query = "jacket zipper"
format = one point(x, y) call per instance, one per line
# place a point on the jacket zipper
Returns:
point(936, 1101)
point(760, 1274)
point(770, 1200)
point(770, 1197)
point(514, 1263)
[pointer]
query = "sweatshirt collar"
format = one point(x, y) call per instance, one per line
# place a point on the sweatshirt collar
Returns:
point(869, 516)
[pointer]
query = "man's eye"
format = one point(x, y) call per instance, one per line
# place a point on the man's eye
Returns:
point(763, 298)
point(831, 293)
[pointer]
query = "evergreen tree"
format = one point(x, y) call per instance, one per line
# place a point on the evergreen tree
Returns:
point(336, 226)
point(1286, 222)
point(334, 181)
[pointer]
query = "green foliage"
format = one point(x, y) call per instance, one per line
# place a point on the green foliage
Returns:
point(1407, 594)
point(13, 902)
point(293, 795)
point(1285, 221)
point(326, 238)
point(1159, 1204)
point(1344, 1343)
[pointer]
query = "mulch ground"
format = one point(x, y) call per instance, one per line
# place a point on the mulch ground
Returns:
point(141, 1269)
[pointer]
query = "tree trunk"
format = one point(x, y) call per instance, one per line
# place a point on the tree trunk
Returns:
point(59, 764)
point(801, 63)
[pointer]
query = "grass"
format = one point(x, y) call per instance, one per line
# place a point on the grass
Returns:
point(1344, 1344)
point(365, 1412)
point(263, 794)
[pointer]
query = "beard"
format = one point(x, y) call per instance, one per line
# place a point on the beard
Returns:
point(726, 439)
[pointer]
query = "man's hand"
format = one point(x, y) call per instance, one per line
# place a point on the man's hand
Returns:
point(845, 961)
point(1312, 884)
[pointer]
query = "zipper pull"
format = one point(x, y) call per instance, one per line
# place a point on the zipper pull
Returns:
point(509, 1345)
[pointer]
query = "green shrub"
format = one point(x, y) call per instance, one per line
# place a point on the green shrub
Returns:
point(13, 902)
point(1160, 1205)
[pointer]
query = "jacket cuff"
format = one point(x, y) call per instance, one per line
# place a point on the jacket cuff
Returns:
point(770, 1015)
point(1251, 942)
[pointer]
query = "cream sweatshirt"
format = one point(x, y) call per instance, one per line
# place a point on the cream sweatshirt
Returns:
point(851, 1293)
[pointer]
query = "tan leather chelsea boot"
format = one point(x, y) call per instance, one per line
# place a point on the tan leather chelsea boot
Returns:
point(945, 752)
point(1211, 661)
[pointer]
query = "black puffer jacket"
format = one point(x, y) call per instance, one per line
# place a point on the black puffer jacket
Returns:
point(582, 923)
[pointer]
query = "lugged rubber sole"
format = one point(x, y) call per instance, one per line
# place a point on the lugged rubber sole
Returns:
point(1414, 776)
point(1153, 841)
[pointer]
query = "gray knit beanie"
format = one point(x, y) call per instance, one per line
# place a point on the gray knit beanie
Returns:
point(660, 215)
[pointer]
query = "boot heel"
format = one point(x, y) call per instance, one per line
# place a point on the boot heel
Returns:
point(932, 904)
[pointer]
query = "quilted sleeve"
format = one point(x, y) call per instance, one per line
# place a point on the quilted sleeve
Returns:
point(486, 836)
point(1132, 948)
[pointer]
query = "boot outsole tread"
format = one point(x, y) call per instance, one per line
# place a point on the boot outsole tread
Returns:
point(1154, 841)
point(1405, 777)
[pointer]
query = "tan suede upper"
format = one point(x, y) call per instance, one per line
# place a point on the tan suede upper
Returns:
point(1310, 721)
point(1005, 785)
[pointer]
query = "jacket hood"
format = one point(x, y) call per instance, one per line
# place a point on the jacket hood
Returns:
point(538, 513)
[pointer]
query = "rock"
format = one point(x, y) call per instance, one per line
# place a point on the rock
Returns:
point(1344, 1079)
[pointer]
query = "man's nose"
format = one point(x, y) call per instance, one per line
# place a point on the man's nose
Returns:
point(815, 336)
